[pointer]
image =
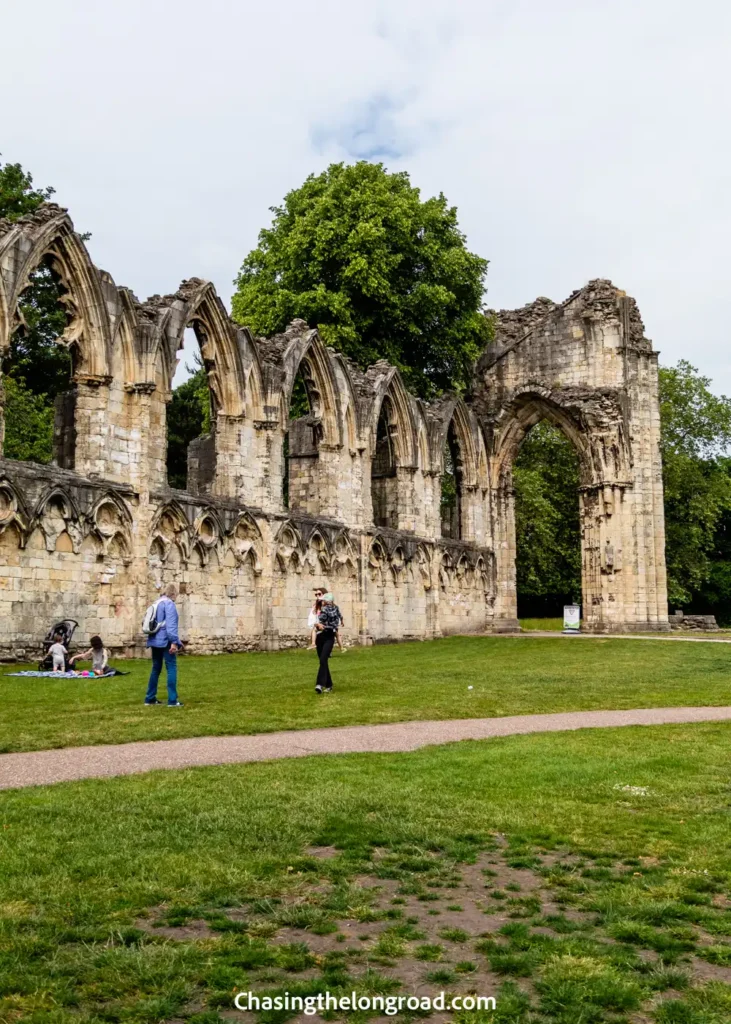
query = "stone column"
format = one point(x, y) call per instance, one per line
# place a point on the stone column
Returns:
point(503, 530)
point(229, 455)
point(146, 465)
point(431, 514)
point(360, 601)
point(94, 454)
point(265, 591)
point(406, 511)
point(265, 483)
point(2, 416)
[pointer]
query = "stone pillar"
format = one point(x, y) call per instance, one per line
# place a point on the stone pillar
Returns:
point(431, 513)
point(648, 513)
point(64, 429)
point(471, 515)
point(432, 630)
point(360, 601)
point(201, 477)
point(503, 530)
point(334, 482)
point(229, 456)
point(265, 485)
point(265, 590)
point(94, 455)
point(604, 569)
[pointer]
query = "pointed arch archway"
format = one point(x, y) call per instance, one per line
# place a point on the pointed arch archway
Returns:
point(48, 233)
point(69, 303)
point(592, 421)
point(394, 454)
point(457, 446)
point(300, 384)
point(210, 461)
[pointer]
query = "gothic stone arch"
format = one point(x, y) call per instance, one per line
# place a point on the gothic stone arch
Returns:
point(107, 530)
point(393, 422)
point(48, 235)
point(586, 366)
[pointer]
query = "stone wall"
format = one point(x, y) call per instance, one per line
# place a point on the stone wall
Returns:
point(96, 536)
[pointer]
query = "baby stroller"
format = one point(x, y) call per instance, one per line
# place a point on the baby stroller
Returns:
point(65, 630)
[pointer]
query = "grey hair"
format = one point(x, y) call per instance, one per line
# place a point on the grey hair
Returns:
point(171, 590)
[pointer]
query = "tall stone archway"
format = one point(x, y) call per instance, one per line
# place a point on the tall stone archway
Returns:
point(587, 367)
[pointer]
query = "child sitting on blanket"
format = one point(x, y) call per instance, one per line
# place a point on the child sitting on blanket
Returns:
point(99, 656)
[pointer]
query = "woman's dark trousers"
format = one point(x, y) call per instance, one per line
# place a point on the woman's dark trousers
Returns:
point(324, 642)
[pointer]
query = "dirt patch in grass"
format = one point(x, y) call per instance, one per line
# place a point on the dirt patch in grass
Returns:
point(321, 852)
point(155, 924)
point(552, 928)
point(704, 971)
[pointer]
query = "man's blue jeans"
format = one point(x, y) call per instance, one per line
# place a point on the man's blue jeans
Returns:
point(171, 668)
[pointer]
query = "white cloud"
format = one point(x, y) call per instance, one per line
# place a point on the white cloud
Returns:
point(580, 138)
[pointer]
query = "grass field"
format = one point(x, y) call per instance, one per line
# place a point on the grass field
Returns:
point(579, 878)
point(554, 625)
point(251, 693)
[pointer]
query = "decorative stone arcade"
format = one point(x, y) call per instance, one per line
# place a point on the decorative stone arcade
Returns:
point(94, 537)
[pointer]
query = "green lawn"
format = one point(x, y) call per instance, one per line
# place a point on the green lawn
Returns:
point(251, 693)
point(554, 625)
point(580, 877)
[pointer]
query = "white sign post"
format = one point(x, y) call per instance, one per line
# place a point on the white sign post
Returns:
point(571, 618)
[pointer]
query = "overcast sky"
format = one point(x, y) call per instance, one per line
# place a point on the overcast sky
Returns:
point(578, 138)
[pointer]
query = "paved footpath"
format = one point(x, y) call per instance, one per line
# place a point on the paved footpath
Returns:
point(47, 766)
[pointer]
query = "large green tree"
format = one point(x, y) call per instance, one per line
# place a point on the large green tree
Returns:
point(28, 423)
point(17, 194)
point(382, 273)
point(37, 365)
point(695, 439)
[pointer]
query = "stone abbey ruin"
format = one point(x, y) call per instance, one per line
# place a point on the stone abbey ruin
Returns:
point(96, 534)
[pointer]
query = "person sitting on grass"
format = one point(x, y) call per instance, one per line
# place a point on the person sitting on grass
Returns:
point(99, 656)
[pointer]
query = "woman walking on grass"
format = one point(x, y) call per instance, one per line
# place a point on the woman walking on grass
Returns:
point(328, 624)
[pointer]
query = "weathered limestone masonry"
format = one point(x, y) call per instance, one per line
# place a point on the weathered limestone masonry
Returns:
point(585, 366)
point(96, 535)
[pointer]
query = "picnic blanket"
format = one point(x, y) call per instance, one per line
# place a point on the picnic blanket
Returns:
point(67, 675)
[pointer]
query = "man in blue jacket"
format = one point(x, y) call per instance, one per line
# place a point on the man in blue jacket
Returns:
point(164, 645)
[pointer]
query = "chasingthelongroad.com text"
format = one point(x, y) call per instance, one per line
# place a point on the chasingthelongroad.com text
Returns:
point(389, 1005)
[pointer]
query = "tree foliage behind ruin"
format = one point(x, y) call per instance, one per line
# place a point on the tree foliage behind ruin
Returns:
point(37, 367)
point(548, 560)
point(380, 272)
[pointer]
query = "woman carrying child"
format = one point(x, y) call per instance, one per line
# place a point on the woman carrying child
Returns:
point(314, 617)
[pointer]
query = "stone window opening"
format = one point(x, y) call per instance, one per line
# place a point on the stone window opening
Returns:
point(384, 480)
point(451, 504)
point(38, 422)
point(191, 420)
point(548, 535)
point(301, 446)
